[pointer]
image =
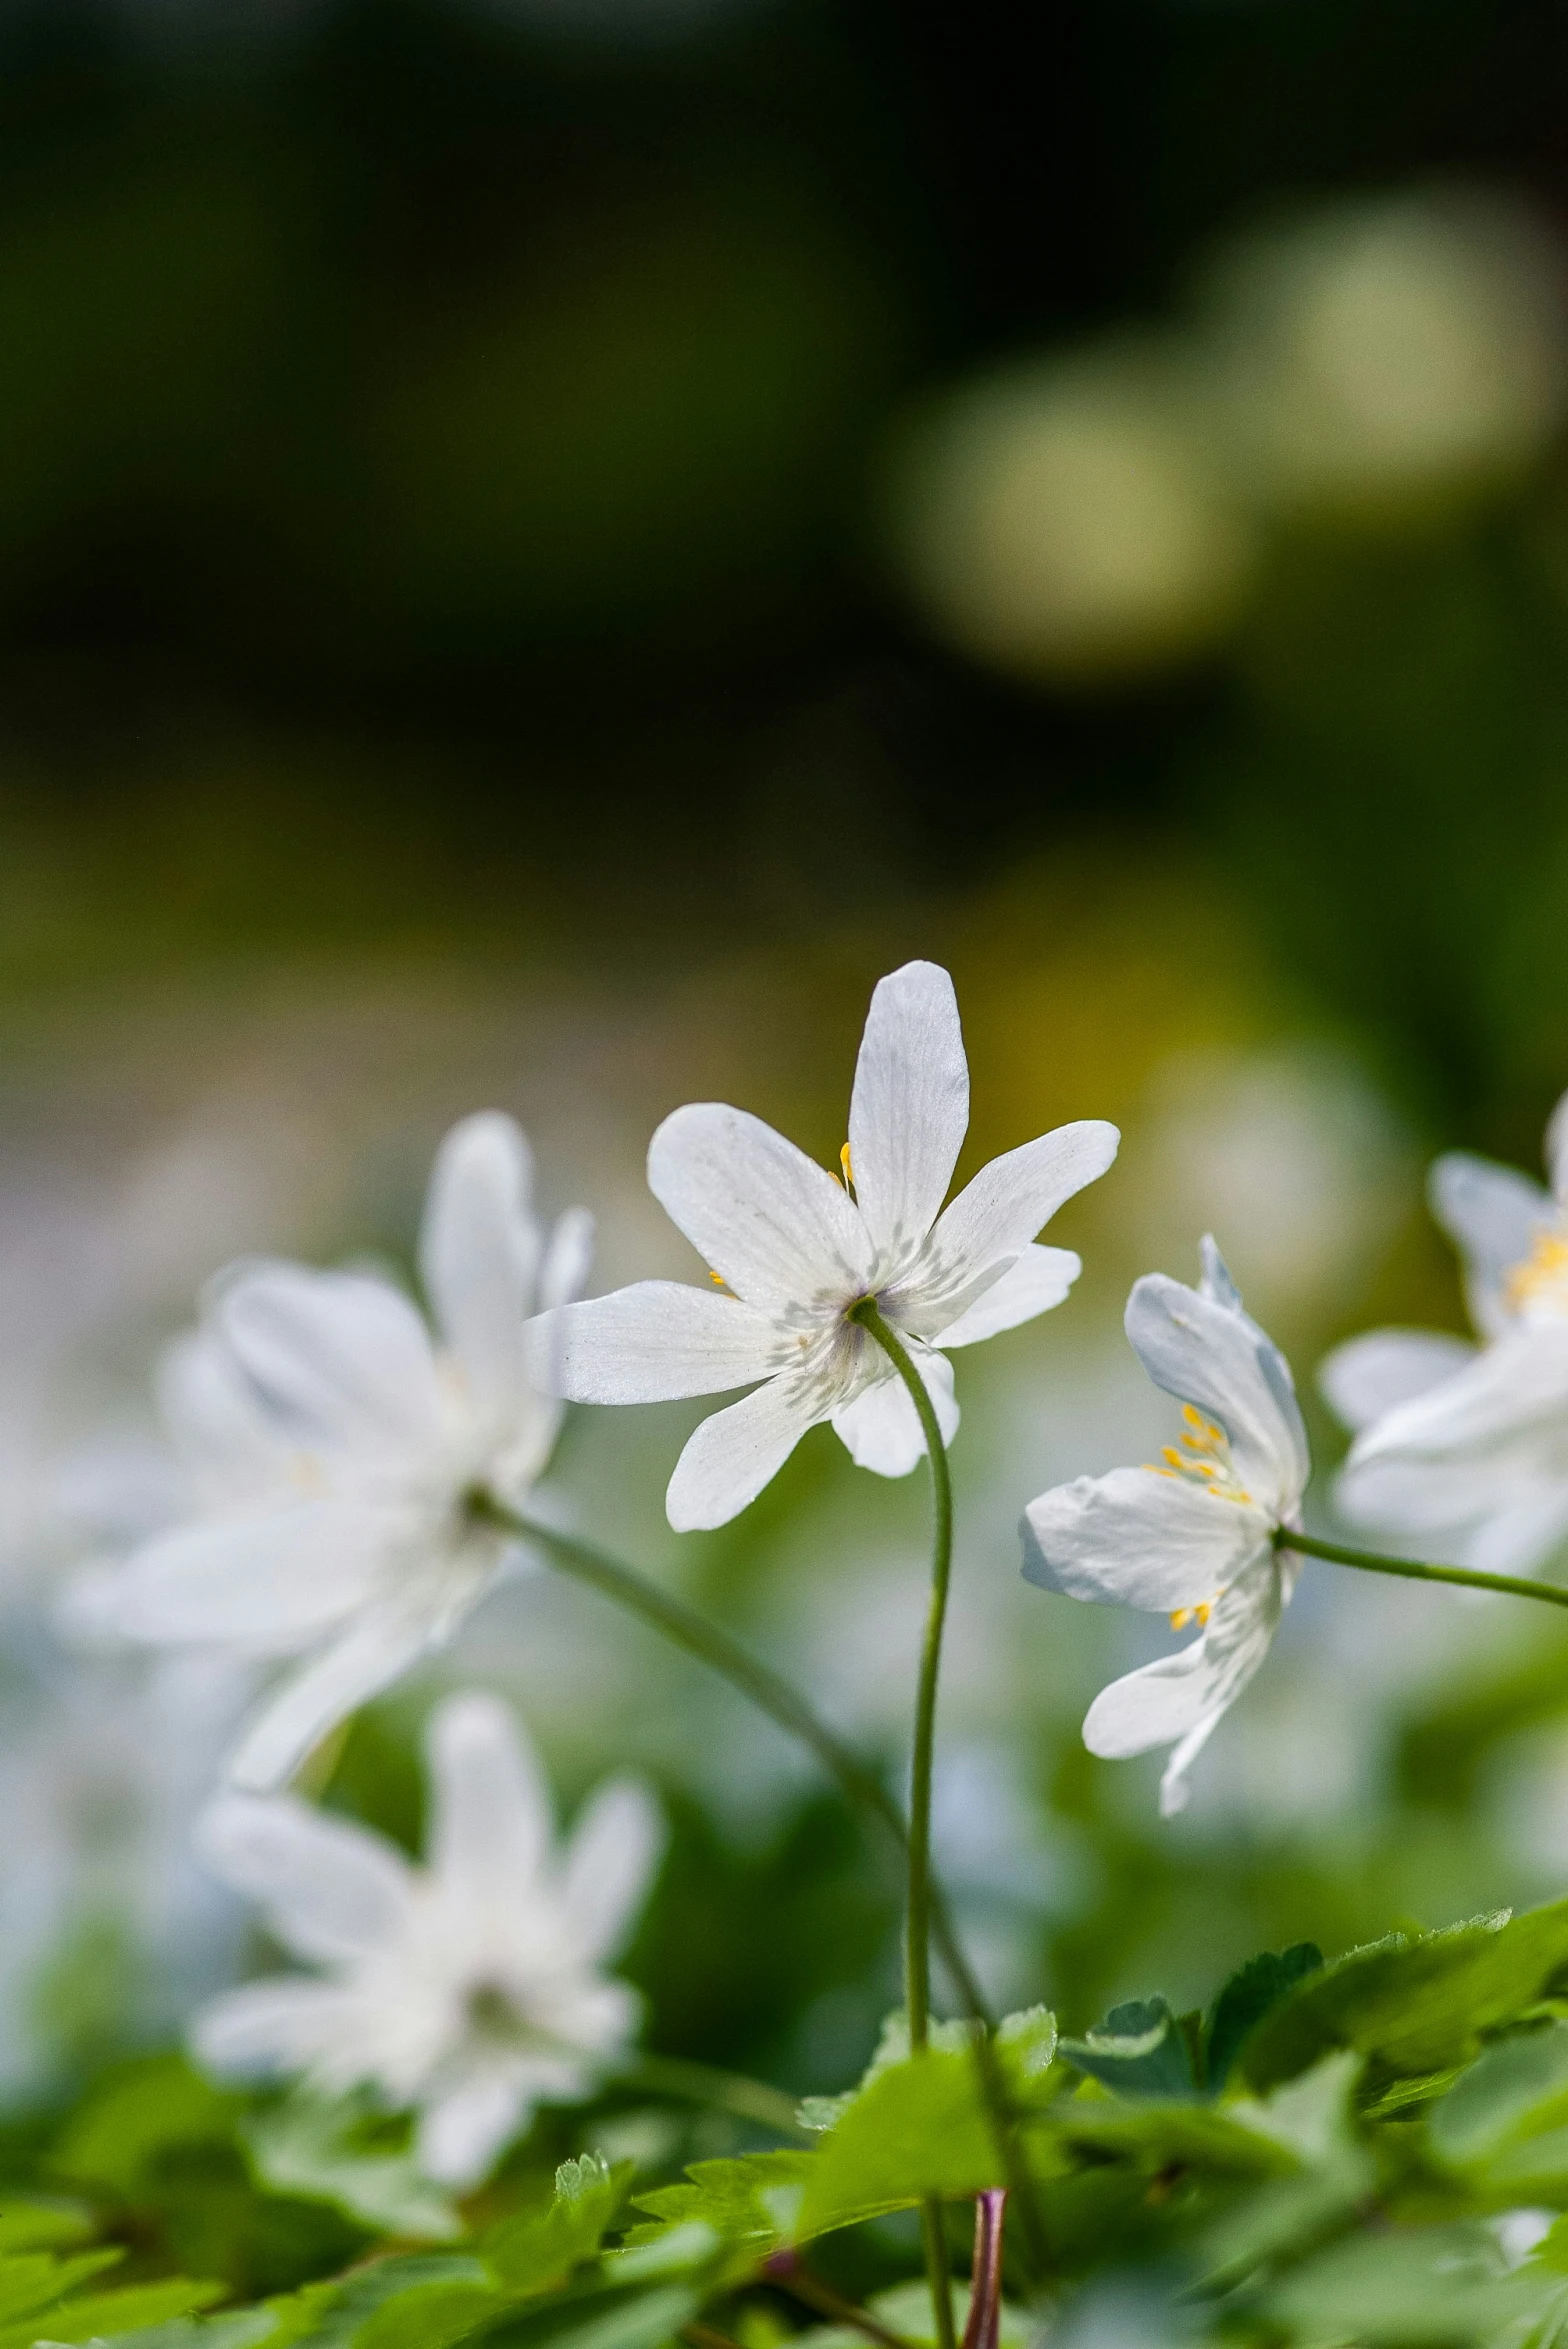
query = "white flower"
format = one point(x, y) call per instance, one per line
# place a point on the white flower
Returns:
point(1194, 1538)
point(470, 1989)
point(333, 1445)
point(792, 1250)
point(1467, 1446)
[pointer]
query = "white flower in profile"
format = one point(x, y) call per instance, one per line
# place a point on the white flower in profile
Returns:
point(470, 1990)
point(332, 1443)
point(1462, 1444)
point(1194, 1537)
point(792, 1249)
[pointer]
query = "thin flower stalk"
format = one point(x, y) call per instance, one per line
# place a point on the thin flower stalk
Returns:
point(984, 2326)
point(1513, 1586)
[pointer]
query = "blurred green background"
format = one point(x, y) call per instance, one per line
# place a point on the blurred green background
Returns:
point(544, 544)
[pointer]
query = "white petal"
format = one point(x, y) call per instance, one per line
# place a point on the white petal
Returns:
point(1557, 1150)
point(1492, 1214)
point(881, 1429)
point(1139, 1538)
point(1521, 1538)
point(995, 1216)
point(736, 1452)
point(910, 1108)
point(343, 1360)
point(1434, 1499)
point(616, 1845)
point(1041, 1278)
point(772, 1223)
point(285, 2024)
point(295, 1716)
point(1210, 1355)
point(568, 1259)
point(655, 1343)
point(1500, 1402)
point(491, 1827)
point(226, 1444)
point(329, 1891)
point(1179, 1695)
point(461, 2132)
point(1368, 1376)
point(479, 1252)
point(1174, 1789)
point(269, 1580)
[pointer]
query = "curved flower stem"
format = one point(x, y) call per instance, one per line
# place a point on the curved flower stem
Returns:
point(694, 2083)
point(917, 1963)
point(713, 1646)
point(917, 1923)
point(1416, 1570)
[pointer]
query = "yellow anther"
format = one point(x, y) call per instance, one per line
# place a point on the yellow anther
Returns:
point(1182, 1617)
point(1202, 1615)
point(849, 1172)
point(1543, 1271)
point(1169, 1453)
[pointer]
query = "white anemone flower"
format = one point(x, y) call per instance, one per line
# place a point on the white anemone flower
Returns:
point(1467, 1445)
point(792, 1250)
point(333, 1444)
point(471, 1990)
point(1193, 1537)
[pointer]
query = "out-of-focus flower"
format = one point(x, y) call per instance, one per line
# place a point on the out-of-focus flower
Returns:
point(1062, 521)
point(1470, 1444)
point(1193, 1538)
point(107, 1927)
point(331, 1447)
point(793, 1250)
point(1391, 352)
point(471, 1989)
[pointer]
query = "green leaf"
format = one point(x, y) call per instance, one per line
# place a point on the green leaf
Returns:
point(1139, 2050)
point(1415, 2005)
point(103, 2315)
point(753, 2200)
point(37, 2226)
point(307, 2147)
point(1247, 1997)
point(1026, 2046)
point(604, 2320)
point(920, 2128)
point(540, 2249)
point(148, 2108)
point(1517, 2087)
point(825, 2112)
point(1312, 2122)
point(334, 2315)
point(1438, 2285)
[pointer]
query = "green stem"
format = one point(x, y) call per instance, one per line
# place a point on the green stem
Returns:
point(917, 1964)
point(917, 1922)
point(694, 2083)
point(1416, 1570)
point(713, 1646)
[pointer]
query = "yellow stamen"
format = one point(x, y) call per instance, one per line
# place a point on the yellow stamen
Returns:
point(1544, 1269)
point(1182, 1617)
point(849, 1172)
point(1199, 1615)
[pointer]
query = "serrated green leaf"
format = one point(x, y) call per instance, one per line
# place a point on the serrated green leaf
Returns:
point(752, 2200)
point(1139, 2050)
point(1415, 2005)
point(921, 2128)
point(1026, 2046)
point(540, 2249)
point(333, 2315)
point(430, 2317)
point(307, 2147)
point(1246, 1998)
point(825, 2112)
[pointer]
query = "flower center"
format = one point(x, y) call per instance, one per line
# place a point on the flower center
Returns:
point(1539, 1284)
point(1201, 1455)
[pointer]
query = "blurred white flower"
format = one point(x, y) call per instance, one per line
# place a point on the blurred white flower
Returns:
point(1470, 1444)
point(1193, 1539)
point(1062, 521)
point(103, 1767)
point(330, 1448)
point(471, 1989)
point(793, 1249)
point(1389, 351)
